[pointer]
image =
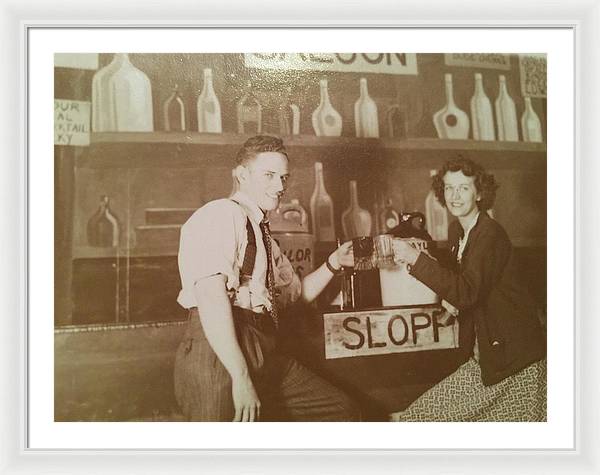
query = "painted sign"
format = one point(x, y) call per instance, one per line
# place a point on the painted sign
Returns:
point(478, 60)
point(390, 330)
point(76, 60)
point(533, 75)
point(71, 122)
point(386, 63)
point(299, 249)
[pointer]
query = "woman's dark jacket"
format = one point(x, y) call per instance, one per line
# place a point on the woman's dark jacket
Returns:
point(486, 289)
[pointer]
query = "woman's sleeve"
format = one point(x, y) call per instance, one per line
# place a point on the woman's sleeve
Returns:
point(466, 287)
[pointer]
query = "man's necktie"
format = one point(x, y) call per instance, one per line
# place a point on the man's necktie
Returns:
point(270, 283)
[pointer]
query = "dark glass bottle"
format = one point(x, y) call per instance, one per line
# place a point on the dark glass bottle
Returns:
point(103, 226)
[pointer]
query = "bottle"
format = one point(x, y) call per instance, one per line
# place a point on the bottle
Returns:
point(389, 217)
point(103, 114)
point(129, 98)
point(249, 111)
point(103, 226)
point(208, 107)
point(174, 112)
point(530, 123)
point(321, 209)
point(451, 122)
point(356, 221)
point(436, 215)
point(295, 119)
point(326, 121)
point(365, 113)
point(482, 116)
point(506, 114)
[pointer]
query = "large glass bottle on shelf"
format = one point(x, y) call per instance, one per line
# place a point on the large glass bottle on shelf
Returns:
point(451, 122)
point(356, 221)
point(208, 106)
point(121, 98)
point(326, 121)
point(482, 117)
point(321, 209)
point(103, 226)
point(506, 114)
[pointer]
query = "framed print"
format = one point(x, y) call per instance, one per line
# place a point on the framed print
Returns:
point(146, 118)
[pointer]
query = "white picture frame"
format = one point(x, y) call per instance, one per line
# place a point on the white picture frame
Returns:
point(582, 17)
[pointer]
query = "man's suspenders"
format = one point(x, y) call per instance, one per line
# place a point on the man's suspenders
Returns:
point(250, 254)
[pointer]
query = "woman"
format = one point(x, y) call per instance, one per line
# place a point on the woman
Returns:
point(504, 377)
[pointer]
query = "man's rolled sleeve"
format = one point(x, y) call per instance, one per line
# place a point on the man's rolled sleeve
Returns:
point(209, 246)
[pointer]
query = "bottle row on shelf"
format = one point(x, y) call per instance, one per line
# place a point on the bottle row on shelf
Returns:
point(122, 102)
point(103, 228)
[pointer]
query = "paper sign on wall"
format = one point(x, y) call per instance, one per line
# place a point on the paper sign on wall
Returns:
point(478, 60)
point(393, 330)
point(533, 75)
point(387, 63)
point(71, 122)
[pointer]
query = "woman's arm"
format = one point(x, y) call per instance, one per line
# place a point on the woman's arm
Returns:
point(488, 252)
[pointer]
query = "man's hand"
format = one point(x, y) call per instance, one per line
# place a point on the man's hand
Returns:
point(343, 256)
point(245, 400)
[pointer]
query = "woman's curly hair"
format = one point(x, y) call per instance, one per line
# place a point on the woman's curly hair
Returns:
point(484, 182)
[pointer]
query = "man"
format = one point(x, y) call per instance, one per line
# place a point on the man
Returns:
point(235, 281)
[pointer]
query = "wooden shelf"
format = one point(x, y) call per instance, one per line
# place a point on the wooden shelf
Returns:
point(197, 138)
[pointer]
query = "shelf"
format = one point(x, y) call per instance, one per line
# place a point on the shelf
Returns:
point(197, 138)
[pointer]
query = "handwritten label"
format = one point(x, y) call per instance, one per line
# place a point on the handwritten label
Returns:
point(71, 122)
point(478, 60)
point(393, 330)
point(387, 63)
point(533, 75)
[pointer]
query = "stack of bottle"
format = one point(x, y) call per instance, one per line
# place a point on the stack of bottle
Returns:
point(453, 123)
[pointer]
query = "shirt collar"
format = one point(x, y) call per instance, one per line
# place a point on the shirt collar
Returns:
point(471, 226)
point(252, 210)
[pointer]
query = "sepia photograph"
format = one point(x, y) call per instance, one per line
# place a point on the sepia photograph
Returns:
point(300, 237)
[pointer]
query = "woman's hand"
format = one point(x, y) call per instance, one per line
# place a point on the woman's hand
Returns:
point(404, 252)
point(343, 256)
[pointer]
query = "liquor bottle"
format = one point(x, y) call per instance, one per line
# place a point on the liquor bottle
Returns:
point(174, 112)
point(321, 209)
point(482, 116)
point(356, 221)
point(530, 123)
point(103, 226)
point(295, 119)
point(365, 113)
point(506, 114)
point(249, 111)
point(389, 217)
point(451, 122)
point(208, 107)
point(326, 121)
point(103, 114)
point(436, 215)
point(129, 98)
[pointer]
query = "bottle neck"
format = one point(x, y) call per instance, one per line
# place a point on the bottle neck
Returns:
point(479, 86)
point(449, 92)
point(208, 82)
point(324, 94)
point(503, 90)
point(120, 58)
point(528, 106)
point(364, 91)
point(353, 194)
point(319, 181)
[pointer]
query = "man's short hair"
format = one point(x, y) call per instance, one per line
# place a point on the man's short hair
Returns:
point(258, 144)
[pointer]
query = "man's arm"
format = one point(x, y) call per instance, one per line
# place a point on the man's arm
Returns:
point(314, 283)
point(216, 317)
